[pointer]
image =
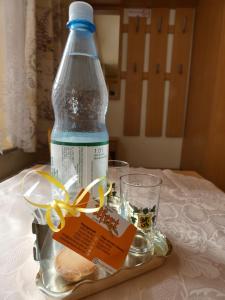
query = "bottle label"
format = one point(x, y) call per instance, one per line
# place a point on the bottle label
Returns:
point(86, 160)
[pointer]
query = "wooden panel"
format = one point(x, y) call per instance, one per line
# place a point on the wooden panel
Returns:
point(179, 71)
point(123, 75)
point(113, 4)
point(157, 65)
point(135, 61)
point(201, 90)
point(214, 158)
point(204, 143)
point(170, 28)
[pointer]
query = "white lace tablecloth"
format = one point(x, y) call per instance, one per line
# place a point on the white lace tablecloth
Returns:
point(192, 215)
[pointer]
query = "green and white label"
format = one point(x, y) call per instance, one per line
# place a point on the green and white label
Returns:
point(87, 161)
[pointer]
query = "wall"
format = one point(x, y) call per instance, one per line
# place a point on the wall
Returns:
point(107, 37)
point(152, 152)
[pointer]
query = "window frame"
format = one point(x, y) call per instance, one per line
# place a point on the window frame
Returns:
point(13, 161)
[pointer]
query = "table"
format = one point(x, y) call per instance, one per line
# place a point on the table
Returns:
point(192, 215)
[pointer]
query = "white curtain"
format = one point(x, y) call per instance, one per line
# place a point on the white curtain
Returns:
point(17, 74)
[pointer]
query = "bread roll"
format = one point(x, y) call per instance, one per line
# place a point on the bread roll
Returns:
point(72, 266)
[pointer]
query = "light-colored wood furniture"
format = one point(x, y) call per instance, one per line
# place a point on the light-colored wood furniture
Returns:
point(204, 141)
point(179, 71)
point(157, 72)
point(157, 67)
point(135, 62)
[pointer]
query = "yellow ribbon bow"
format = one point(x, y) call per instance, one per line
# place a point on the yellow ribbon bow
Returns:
point(58, 205)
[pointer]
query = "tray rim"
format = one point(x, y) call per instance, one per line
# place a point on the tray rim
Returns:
point(76, 286)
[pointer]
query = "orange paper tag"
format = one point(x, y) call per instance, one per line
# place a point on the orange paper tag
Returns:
point(103, 237)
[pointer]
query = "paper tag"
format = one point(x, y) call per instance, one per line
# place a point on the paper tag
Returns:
point(103, 237)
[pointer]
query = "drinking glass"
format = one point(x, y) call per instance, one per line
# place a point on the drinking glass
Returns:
point(116, 168)
point(139, 205)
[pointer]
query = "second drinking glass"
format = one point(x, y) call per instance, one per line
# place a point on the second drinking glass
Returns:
point(139, 205)
point(116, 169)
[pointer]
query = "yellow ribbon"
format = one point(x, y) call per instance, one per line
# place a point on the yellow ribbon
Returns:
point(58, 205)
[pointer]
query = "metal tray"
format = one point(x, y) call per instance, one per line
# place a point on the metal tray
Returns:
point(55, 287)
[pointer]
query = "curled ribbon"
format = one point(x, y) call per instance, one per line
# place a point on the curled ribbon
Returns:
point(58, 205)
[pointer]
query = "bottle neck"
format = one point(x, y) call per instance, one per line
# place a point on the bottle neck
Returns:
point(81, 24)
point(80, 40)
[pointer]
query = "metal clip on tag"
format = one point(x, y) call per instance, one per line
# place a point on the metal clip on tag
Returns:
point(40, 231)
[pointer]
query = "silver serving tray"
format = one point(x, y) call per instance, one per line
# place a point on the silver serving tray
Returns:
point(56, 287)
